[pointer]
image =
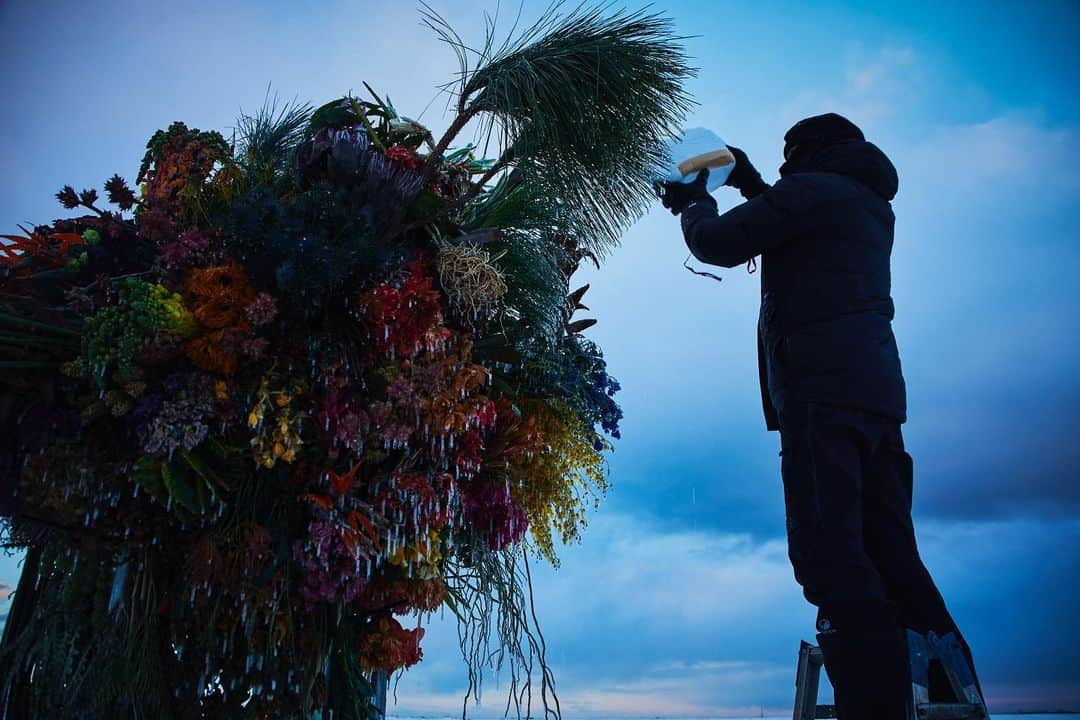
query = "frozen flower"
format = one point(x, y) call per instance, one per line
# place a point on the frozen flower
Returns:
point(334, 562)
point(262, 310)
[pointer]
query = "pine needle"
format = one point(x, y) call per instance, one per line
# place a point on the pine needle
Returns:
point(587, 100)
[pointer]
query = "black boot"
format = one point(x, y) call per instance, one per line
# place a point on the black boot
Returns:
point(869, 673)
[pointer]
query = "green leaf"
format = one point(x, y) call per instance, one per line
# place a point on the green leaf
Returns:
point(335, 113)
point(425, 204)
point(580, 325)
point(496, 348)
point(460, 155)
point(500, 386)
point(211, 478)
point(180, 490)
point(376, 96)
point(26, 322)
point(148, 474)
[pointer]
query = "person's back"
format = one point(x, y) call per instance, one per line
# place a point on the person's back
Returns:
point(832, 385)
point(826, 308)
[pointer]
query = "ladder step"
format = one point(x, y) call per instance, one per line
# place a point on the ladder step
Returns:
point(950, 711)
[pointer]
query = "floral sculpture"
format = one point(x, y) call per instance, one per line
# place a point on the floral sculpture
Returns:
point(295, 386)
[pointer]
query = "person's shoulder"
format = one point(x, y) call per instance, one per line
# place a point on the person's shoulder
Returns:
point(804, 191)
point(814, 182)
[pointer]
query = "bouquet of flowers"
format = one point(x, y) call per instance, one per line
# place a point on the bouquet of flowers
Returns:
point(296, 383)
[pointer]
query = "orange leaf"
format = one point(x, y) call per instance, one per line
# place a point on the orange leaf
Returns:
point(342, 483)
point(364, 525)
point(321, 500)
point(67, 240)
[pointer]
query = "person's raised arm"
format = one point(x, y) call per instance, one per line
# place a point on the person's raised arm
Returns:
point(767, 219)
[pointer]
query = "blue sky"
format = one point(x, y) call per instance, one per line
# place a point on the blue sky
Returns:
point(680, 600)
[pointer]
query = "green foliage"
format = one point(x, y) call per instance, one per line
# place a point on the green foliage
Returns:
point(530, 255)
point(305, 251)
point(267, 141)
point(350, 695)
point(584, 102)
point(114, 335)
point(80, 661)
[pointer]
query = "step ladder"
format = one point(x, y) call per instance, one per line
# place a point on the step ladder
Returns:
point(924, 650)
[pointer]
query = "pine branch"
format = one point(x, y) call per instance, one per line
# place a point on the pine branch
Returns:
point(586, 100)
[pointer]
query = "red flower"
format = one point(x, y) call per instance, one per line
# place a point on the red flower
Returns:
point(405, 157)
point(401, 318)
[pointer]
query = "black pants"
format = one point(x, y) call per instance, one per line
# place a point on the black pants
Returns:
point(847, 492)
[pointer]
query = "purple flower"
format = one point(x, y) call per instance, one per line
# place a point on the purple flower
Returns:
point(186, 249)
point(182, 421)
point(254, 348)
point(400, 390)
point(331, 571)
point(262, 310)
point(490, 509)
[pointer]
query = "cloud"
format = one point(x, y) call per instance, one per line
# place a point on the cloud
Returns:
point(877, 86)
point(641, 618)
point(879, 75)
point(983, 287)
point(5, 591)
point(1004, 160)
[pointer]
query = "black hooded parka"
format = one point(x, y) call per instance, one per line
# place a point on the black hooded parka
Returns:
point(824, 232)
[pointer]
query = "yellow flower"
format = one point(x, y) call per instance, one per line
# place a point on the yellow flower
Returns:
point(554, 487)
point(420, 558)
point(282, 438)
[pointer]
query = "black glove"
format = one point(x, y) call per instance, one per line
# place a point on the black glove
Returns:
point(744, 176)
point(675, 196)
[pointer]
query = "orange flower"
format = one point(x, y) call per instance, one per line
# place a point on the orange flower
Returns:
point(388, 646)
point(219, 295)
point(364, 525)
point(208, 353)
point(34, 244)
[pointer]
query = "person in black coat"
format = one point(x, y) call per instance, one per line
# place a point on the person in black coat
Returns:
point(832, 384)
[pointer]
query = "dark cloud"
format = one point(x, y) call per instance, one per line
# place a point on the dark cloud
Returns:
point(713, 620)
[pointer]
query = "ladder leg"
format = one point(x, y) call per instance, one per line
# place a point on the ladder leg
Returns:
point(958, 670)
point(919, 654)
point(968, 704)
point(807, 679)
